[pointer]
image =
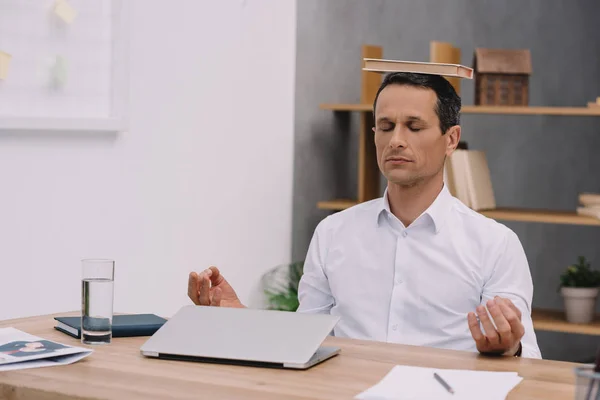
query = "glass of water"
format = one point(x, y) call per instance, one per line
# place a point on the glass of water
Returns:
point(97, 301)
point(587, 384)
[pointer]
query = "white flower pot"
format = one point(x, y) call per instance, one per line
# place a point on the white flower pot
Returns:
point(580, 304)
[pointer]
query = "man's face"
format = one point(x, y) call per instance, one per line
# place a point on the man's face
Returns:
point(32, 347)
point(409, 141)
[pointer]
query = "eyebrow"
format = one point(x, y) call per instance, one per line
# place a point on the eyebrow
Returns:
point(383, 119)
point(412, 118)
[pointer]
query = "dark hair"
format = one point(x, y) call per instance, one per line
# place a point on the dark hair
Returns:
point(448, 103)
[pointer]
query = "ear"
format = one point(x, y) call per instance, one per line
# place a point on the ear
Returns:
point(452, 139)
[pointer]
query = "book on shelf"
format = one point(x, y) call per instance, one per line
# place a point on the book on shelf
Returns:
point(468, 178)
point(589, 211)
point(594, 103)
point(589, 199)
point(590, 205)
point(453, 70)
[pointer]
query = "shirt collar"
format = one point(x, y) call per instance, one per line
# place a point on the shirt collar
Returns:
point(437, 211)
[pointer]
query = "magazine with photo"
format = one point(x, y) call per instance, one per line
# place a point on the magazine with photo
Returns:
point(20, 350)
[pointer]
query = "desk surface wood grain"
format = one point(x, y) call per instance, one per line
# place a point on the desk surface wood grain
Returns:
point(118, 371)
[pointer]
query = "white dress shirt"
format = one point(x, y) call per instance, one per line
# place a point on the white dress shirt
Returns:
point(414, 285)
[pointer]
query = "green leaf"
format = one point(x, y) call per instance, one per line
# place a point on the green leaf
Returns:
point(280, 286)
point(580, 275)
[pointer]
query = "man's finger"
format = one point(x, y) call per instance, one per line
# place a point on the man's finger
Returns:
point(509, 303)
point(488, 327)
point(513, 307)
point(502, 326)
point(516, 326)
point(476, 333)
point(216, 297)
point(193, 287)
point(204, 294)
point(215, 275)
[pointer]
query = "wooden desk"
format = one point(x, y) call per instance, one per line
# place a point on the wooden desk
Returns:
point(118, 371)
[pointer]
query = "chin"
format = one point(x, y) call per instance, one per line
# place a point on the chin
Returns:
point(403, 179)
point(399, 176)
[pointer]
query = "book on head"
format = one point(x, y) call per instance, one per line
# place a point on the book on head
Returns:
point(454, 70)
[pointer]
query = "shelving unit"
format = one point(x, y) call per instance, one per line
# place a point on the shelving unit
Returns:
point(503, 110)
point(542, 216)
point(368, 171)
point(501, 214)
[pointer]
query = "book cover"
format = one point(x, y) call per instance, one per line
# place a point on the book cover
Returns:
point(453, 70)
point(457, 176)
point(589, 199)
point(589, 211)
point(479, 182)
point(122, 325)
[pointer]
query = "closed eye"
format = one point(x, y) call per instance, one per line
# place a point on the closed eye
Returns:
point(415, 126)
point(386, 127)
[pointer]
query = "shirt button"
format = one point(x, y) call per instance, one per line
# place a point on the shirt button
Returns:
point(394, 327)
point(404, 234)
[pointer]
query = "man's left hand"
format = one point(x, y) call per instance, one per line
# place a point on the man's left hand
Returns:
point(506, 338)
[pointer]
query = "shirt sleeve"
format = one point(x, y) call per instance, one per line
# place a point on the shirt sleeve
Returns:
point(511, 278)
point(314, 293)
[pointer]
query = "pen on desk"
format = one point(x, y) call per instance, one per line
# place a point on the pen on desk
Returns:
point(443, 382)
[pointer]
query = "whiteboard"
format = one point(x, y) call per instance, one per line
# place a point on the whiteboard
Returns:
point(64, 75)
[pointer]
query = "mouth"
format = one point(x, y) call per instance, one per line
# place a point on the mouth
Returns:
point(398, 160)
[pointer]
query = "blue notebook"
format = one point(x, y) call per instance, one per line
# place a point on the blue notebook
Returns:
point(122, 325)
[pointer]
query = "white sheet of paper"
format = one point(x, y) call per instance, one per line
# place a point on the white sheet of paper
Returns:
point(411, 383)
point(20, 350)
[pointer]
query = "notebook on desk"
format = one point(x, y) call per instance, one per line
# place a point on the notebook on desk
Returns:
point(122, 325)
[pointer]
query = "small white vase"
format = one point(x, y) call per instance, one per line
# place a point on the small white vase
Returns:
point(580, 304)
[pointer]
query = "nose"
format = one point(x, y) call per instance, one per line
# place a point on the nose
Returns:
point(398, 139)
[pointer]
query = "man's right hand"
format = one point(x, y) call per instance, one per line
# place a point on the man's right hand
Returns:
point(210, 288)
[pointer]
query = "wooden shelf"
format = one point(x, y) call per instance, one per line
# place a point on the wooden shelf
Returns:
point(502, 214)
point(516, 110)
point(550, 320)
point(543, 216)
point(346, 107)
point(336, 205)
point(513, 110)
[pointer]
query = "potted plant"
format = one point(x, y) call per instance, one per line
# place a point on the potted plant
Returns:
point(280, 286)
point(579, 288)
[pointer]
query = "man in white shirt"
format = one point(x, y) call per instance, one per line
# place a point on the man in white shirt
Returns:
point(416, 266)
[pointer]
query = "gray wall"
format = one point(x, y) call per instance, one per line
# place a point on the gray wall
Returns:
point(535, 161)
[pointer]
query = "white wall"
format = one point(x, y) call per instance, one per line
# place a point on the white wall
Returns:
point(203, 177)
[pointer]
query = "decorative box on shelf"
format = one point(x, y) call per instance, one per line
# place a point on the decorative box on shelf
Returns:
point(502, 77)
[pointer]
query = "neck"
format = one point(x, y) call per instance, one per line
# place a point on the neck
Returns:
point(408, 202)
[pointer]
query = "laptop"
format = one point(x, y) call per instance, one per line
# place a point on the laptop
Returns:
point(262, 338)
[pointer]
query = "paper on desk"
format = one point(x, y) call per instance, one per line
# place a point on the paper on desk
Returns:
point(407, 383)
point(20, 350)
